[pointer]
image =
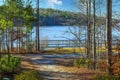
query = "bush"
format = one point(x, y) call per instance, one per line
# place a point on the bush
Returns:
point(107, 77)
point(9, 64)
point(80, 62)
point(28, 75)
point(103, 65)
point(116, 65)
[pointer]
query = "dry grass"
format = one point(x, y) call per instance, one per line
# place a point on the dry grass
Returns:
point(102, 49)
point(82, 50)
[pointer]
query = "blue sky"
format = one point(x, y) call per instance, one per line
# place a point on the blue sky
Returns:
point(67, 5)
point(71, 5)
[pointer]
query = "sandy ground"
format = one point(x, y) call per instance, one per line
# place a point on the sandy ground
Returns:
point(57, 70)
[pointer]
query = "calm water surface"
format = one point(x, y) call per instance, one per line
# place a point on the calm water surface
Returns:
point(59, 32)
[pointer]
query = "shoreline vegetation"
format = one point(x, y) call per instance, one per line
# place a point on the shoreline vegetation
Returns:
point(53, 17)
point(61, 50)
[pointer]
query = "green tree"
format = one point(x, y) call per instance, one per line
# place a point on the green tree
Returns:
point(16, 14)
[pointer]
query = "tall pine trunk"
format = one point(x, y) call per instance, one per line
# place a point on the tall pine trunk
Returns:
point(109, 33)
point(94, 38)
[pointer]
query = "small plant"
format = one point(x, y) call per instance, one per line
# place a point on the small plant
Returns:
point(80, 62)
point(28, 75)
point(106, 77)
point(9, 64)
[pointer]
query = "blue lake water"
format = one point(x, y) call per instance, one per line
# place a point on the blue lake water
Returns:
point(53, 32)
point(59, 32)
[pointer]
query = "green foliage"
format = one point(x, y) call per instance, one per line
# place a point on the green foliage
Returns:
point(107, 77)
point(5, 24)
point(70, 18)
point(13, 11)
point(2, 23)
point(28, 75)
point(9, 64)
point(80, 62)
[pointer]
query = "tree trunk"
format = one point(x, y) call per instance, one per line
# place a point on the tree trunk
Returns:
point(37, 29)
point(94, 40)
point(109, 33)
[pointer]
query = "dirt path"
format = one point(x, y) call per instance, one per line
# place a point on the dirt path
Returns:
point(53, 68)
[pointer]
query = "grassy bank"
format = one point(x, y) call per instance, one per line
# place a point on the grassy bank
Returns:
point(81, 50)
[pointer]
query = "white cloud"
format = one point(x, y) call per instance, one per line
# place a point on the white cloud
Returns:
point(52, 3)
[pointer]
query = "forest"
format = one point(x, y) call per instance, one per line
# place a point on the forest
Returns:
point(52, 17)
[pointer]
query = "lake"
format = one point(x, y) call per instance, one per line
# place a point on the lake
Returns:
point(61, 32)
point(53, 32)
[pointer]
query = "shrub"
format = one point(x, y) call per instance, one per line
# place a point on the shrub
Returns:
point(103, 66)
point(116, 65)
point(80, 62)
point(28, 75)
point(107, 77)
point(9, 64)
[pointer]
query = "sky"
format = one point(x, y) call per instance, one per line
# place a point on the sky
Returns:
point(71, 5)
point(66, 5)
